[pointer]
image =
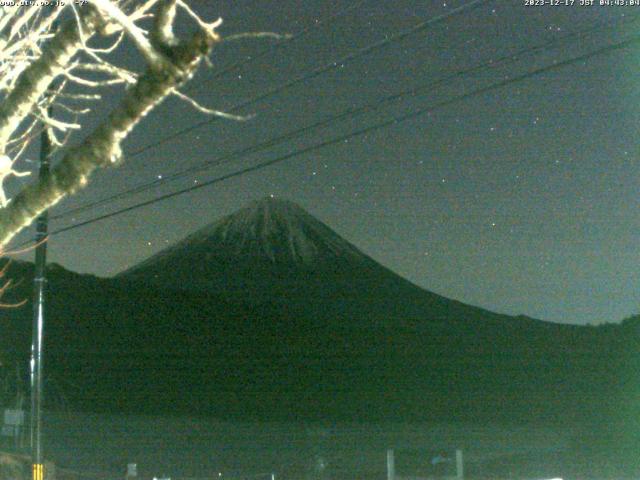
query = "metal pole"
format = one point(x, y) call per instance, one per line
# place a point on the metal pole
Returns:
point(391, 465)
point(459, 465)
point(40, 283)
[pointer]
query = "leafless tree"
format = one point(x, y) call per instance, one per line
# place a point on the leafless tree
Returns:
point(59, 56)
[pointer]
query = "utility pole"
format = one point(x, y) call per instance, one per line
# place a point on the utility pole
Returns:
point(39, 292)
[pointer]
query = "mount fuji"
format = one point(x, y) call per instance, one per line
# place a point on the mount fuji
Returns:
point(268, 313)
point(274, 251)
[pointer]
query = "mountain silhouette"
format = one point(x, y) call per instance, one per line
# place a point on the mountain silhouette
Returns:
point(269, 314)
point(273, 251)
point(271, 230)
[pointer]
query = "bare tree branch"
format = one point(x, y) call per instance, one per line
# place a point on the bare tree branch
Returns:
point(210, 111)
point(102, 147)
point(247, 35)
point(35, 79)
point(130, 28)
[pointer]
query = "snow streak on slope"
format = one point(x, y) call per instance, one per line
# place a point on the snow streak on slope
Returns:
point(278, 231)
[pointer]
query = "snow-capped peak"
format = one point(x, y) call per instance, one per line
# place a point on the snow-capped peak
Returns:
point(280, 230)
point(271, 229)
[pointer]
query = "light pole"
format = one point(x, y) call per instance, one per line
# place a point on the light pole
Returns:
point(39, 292)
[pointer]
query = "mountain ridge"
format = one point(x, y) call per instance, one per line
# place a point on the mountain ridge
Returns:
point(252, 255)
point(263, 238)
point(277, 230)
point(331, 333)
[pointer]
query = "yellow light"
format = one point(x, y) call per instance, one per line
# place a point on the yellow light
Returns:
point(38, 471)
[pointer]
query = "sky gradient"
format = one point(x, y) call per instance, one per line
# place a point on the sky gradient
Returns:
point(523, 200)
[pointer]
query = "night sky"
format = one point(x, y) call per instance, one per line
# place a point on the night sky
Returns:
point(522, 200)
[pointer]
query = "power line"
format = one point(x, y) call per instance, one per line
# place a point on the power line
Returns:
point(501, 61)
point(319, 71)
point(363, 131)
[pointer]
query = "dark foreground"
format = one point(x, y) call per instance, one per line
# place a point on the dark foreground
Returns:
point(101, 446)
